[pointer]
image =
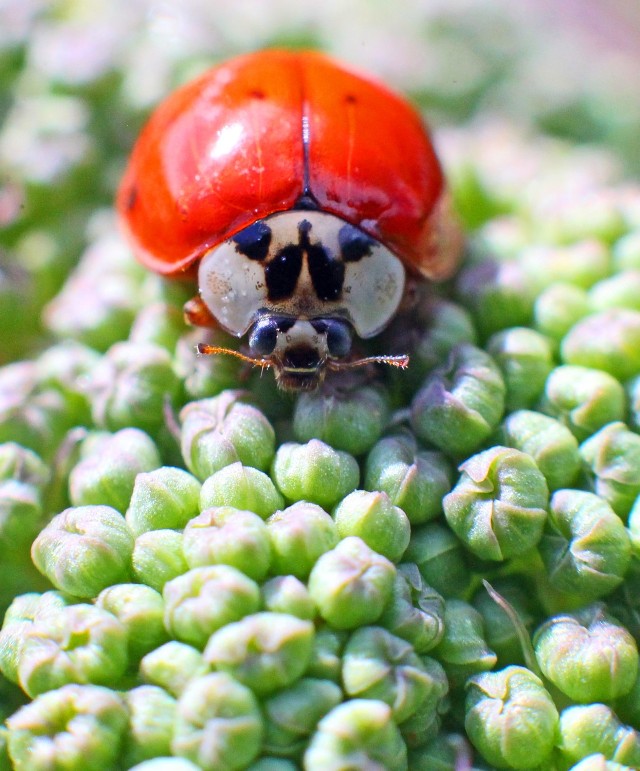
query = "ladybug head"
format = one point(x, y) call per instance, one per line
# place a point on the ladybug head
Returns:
point(301, 284)
point(300, 350)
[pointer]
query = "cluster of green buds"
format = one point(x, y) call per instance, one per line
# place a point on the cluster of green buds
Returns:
point(430, 569)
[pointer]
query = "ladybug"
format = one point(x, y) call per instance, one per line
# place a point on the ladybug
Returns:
point(306, 199)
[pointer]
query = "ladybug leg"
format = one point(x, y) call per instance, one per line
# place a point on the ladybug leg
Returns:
point(197, 314)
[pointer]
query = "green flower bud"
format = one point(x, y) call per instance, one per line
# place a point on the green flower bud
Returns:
point(583, 399)
point(598, 762)
point(360, 731)
point(94, 309)
point(158, 557)
point(609, 340)
point(415, 611)
point(223, 430)
point(218, 724)
point(525, 359)
point(593, 214)
point(441, 326)
point(80, 644)
point(498, 294)
point(552, 446)
point(511, 718)
point(440, 559)
point(425, 723)
point(440, 754)
point(314, 472)
point(228, 536)
point(205, 599)
point(619, 291)
point(378, 665)
point(173, 666)
point(347, 419)
point(461, 403)
point(166, 498)
point(83, 550)
point(140, 609)
point(626, 252)
point(414, 480)
point(159, 323)
point(371, 516)
point(633, 398)
point(287, 594)
point(587, 655)
point(463, 650)
point(265, 651)
point(293, 714)
point(20, 464)
point(75, 727)
point(242, 487)
point(351, 584)
point(299, 535)
point(151, 719)
point(108, 471)
point(498, 508)
point(500, 632)
point(326, 655)
point(558, 308)
point(582, 263)
point(586, 549)
point(34, 417)
point(68, 367)
point(20, 515)
point(166, 764)
point(18, 620)
point(594, 728)
point(131, 386)
point(613, 456)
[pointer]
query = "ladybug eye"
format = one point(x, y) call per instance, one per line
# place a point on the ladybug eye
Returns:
point(262, 340)
point(338, 338)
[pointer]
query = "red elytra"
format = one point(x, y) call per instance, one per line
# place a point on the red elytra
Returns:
point(189, 185)
point(276, 131)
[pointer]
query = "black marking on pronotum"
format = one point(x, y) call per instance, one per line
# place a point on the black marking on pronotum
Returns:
point(327, 273)
point(326, 270)
point(282, 272)
point(354, 244)
point(254, 241)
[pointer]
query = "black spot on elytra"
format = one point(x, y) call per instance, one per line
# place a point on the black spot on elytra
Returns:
point(354, 244)
point(132, 198)
point(256, 93)
point(254, 241)
point(350, 99)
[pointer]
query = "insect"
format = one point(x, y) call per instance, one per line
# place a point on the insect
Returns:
point(304, 197)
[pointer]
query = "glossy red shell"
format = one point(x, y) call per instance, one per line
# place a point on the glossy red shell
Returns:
point(227, 149)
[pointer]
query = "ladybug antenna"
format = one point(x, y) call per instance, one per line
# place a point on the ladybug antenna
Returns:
point(209, 350)
point(401, 361)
